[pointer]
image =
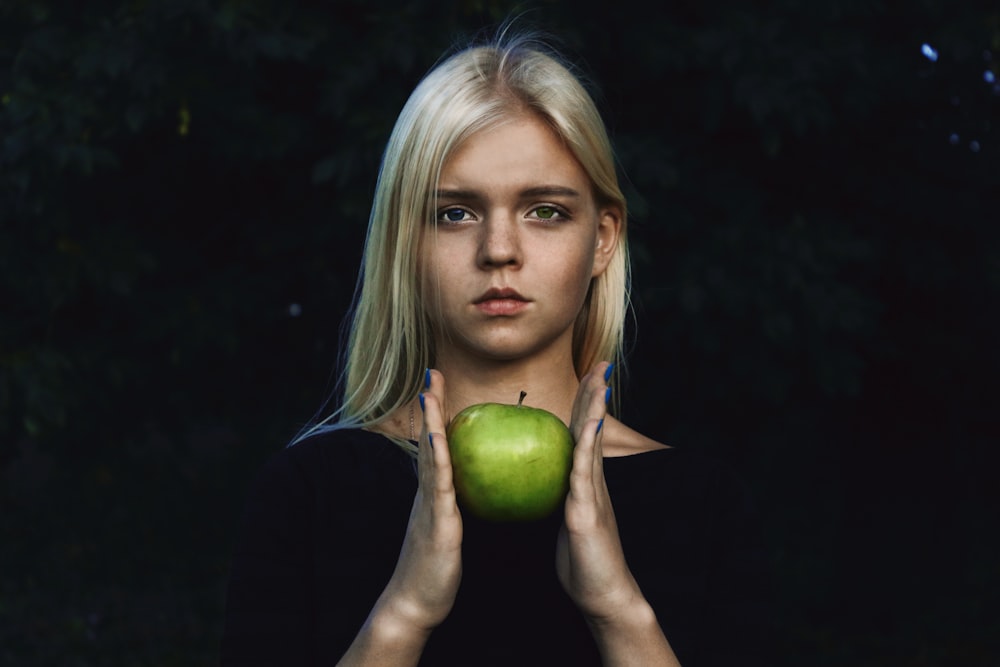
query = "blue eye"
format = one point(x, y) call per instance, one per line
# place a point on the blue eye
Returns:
point(453, 215)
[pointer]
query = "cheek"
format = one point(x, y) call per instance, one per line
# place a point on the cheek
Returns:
point(439, 270)
point(571, 269)
point(427, 278)
point(579, 258)
point(442, 263)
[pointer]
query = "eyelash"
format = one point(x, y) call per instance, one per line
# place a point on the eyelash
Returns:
point(559, 214)
point(448, 209)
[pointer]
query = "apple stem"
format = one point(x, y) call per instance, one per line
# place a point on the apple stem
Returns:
point(523, 394)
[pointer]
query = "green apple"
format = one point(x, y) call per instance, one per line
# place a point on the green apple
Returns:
point(510, 462)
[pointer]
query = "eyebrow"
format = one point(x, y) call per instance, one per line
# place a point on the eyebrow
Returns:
point(539, 191)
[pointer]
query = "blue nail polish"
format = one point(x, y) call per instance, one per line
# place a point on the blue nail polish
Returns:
point(607, 373)
point(600, 425)
point(427, 378)
point(607, 395)
point(421, 401)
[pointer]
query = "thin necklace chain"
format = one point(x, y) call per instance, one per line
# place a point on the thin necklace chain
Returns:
point(412, 434)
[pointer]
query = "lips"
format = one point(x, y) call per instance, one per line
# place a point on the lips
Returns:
point(499, 293)
point(501, 301)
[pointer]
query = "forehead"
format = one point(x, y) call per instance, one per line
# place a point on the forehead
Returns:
point(519, 150)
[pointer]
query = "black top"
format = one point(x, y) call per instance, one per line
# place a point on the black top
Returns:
point(325, 520)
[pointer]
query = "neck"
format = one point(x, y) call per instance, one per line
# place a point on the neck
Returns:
point(550, 383)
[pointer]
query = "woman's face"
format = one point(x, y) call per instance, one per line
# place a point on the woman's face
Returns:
point(518, 238)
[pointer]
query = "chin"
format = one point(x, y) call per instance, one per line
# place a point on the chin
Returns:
point(505, 344)
point(511, 351)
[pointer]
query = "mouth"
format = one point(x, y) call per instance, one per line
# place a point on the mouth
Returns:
point(500, 294)
point(501, 302)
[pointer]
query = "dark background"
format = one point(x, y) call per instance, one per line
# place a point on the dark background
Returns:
point(184, 188)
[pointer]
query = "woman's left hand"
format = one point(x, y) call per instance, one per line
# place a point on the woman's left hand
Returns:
point(589, 558)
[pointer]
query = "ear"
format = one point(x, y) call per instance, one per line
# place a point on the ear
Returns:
point(609, 227)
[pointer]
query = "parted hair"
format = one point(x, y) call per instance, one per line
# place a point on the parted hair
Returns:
point(390, 341)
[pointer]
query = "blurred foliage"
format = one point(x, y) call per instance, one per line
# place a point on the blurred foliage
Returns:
point(183, 194)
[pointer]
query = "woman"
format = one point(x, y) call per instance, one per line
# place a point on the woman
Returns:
point(496, 256)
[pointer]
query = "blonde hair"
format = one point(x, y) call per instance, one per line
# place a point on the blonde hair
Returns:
point(390, 342)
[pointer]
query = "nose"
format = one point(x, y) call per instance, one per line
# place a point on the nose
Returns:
point(499, 242)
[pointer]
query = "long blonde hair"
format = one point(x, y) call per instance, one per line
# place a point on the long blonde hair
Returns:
point(390, 342)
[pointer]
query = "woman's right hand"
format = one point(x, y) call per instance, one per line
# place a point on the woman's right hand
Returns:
point(423, 586)
point(422, 589)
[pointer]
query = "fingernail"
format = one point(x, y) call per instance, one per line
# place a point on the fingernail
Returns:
point(607, 395)
point(600, 425)
point(427, 378)
point(421, 401)
point(607, 373)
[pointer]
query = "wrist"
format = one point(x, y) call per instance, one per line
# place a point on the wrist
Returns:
point(632, 636)
point(636, 615)
point(397, 620)
point(386, 638)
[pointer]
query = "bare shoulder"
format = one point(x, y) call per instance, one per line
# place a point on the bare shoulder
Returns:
point(622, 440)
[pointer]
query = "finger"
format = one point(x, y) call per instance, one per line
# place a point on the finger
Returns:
point(597, 460)
point(425, 451)
point(425, 457)
point(581, 478)
point(588, 383)
point(591, 399)
point(434, 431)
point(434, 421)
point(444, 480)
